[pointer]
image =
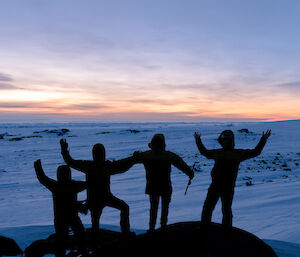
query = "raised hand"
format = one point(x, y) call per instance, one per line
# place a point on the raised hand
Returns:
point(266, 135)
point(37, 164)
point(63, 144)
point(136, 155)
point(197, 137)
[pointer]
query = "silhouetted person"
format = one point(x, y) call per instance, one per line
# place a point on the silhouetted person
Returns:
point(224, 173)
point(157, 162)
point(64, 192)
point(98, 172)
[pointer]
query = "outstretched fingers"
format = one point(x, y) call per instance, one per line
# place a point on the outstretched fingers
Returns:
point(197, 136)
point(63, 143)
point(266, 134)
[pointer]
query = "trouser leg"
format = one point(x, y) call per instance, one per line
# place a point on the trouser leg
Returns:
point(115, 202)
point(165, 202)
point(209, 205)
point(95, 217)
point(226, 199)
point(79, 234)
point(61, 230)
point(154, 201)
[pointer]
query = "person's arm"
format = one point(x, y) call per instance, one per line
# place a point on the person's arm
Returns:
point(76, 164)
point(209, 154)
point(79, 186)
point(119, 166)
point(181, 165)
point(43, 179)
point(247, 154)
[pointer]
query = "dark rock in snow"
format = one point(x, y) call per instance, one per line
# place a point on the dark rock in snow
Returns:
point(16, 139)
point(34, 136)
point(9, 247)
point(134, 131)
point(244, 130)
point(180, 239)
point(59, 132)
point(249, 183)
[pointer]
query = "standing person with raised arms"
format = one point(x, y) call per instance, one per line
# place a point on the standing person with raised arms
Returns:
point(157, 162)
point(98, 172)
point(224, 173)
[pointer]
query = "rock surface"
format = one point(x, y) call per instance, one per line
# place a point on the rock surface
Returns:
point(180, 239)
point(9, 247)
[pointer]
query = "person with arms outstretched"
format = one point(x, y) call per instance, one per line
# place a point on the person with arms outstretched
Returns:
point(98, 172)
point(65, 205)
point(224, 173)
point(157, 162)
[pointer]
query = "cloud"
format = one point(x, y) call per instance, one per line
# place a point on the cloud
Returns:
point(5, 80)
point(293, 84)
point(85, 106)
point(10, 105)
point(6, 86)
point(5, 77)
point(51, 105)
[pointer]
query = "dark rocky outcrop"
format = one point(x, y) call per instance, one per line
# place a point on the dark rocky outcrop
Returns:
point(244, 130)
point(16, 139)
point(180, 239)
point(58, 132)
point(9, 247)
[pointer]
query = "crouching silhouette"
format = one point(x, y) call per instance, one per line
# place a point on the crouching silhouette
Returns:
point(98, 172)
point(64, 192)
point(157, 163)
point(224, 173)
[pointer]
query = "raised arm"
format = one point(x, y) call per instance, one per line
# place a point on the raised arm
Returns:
point(79, 186)
point(181, 165)
point(76, 164)
point(258, 149)
point(43, 179)
point(207, 153)
point(120, 166)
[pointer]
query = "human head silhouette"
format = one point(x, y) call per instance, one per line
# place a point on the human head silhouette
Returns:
point(99, 153)
point(226, 139)
point(158, 142)
point(63, 174)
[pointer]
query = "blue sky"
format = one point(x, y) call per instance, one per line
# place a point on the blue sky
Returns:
point(149, 60)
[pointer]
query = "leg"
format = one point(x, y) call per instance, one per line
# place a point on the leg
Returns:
point(95, 216)
point(226, 199)
point(115, 202)
point(209, 205)
point(165, 202)
point(78, 229)
point(61, 230)
point(154, 201)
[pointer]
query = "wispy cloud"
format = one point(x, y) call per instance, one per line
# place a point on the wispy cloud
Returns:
point(6, 86)
point(295, 85)
point(5, 77)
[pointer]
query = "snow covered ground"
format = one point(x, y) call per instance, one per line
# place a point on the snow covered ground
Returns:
point(269, 208)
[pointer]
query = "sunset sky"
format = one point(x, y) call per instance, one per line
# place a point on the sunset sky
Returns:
point(149, 60)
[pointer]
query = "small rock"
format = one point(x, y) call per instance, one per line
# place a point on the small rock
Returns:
point(249, 183)
point(16, 139)
point(103, 133)
point(134, 131)
point(244, 130)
